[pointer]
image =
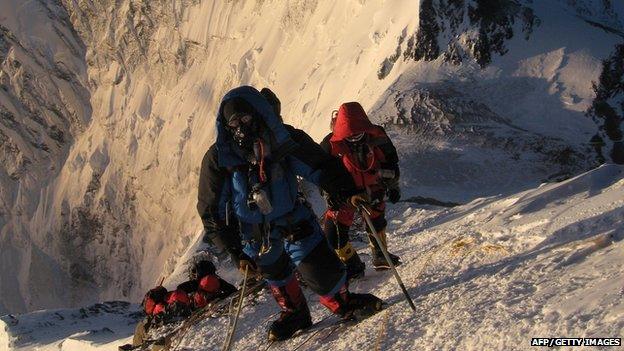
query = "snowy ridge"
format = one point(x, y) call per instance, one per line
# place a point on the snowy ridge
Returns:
point(99, 326)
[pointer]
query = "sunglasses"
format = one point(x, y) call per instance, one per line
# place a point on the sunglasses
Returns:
point(237, 120)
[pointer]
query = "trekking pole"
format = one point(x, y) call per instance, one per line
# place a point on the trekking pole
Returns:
point(369, 222)
point(230, 335)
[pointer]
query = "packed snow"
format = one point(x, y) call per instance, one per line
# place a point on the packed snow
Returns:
point(101, 326)
point(133, 86)
point(488, 275)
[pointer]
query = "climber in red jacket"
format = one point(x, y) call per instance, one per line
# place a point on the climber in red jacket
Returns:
point(368, 154)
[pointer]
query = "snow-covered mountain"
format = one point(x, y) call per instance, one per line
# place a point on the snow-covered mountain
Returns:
point(108, 106)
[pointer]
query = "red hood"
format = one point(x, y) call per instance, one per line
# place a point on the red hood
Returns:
point(351, 120)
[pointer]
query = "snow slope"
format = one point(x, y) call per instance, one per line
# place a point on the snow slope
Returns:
point(118, 211)
point(489, 275)
point(44, 106)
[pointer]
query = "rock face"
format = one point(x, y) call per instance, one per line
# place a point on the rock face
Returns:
point(460, 30)
point(44, 107)
point(608, 107)
point(482, 27)
point(45, 101)
point(106, 109)
point(67, 217)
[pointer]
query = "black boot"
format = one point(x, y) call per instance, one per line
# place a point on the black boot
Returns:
point(295, 314)
point(379, 261)
point(363, 305)
point(289, 322)
point(352, 306)
point(350, 258)
point(355, 267)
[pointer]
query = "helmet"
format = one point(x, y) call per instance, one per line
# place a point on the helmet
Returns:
point(201, 268)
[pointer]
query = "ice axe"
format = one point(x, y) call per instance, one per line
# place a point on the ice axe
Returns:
point(366, 215)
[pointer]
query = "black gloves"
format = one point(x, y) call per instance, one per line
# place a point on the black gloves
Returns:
point(270, 96)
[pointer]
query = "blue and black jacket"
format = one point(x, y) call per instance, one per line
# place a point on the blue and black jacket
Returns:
point(223, 234)
point(226, 177)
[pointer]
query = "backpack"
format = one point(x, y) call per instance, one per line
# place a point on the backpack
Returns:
point(178, 305)
point(209, 288)
point(153, 298)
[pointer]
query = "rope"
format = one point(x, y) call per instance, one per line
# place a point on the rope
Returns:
point(228, 340)
point(382, 331)
point(262, 173)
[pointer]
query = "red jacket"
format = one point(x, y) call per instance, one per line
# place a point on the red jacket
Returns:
point(352, 120)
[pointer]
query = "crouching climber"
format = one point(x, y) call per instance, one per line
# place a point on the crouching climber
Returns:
point(205, 285)
point(164, 307)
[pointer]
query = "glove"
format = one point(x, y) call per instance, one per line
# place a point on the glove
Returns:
point(245, 262)
point(394, 195)
point(272, 99)
point(334, 203)
point(361, 199)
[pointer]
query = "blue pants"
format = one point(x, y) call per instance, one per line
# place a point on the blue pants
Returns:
point(316, 261)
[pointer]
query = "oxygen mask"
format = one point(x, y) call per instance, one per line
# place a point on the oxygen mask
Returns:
point(244, 130)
